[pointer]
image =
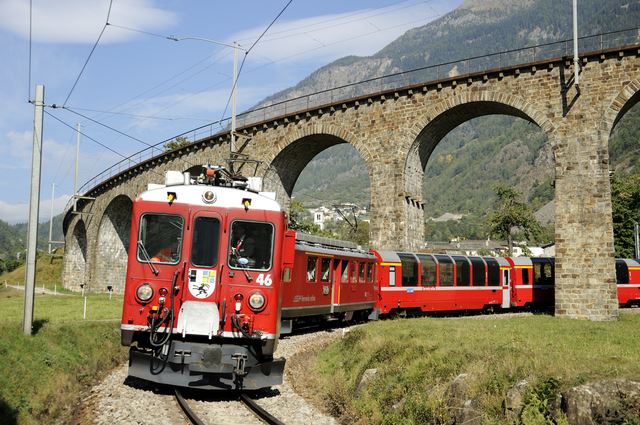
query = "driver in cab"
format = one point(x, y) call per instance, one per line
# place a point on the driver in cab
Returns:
point(242, 247)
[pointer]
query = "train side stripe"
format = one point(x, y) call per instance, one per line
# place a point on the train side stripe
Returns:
point(440, 288)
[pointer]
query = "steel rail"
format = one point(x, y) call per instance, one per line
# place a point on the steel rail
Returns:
point(259, 411)
point(191, 415)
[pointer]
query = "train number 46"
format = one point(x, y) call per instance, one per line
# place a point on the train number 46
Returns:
point(264, 280)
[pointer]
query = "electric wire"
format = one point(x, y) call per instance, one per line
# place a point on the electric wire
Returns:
point(85, 135)
point(127, 114)
point(237, 76)
point(90, 54)
point(137, 30)
point(108, 127)
point(339, 22)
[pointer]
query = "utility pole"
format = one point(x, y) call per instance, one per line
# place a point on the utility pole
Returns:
point(34, 206)
point(636, 238)
point(232, 146)
point(75, 176)
point(53, 194)
point(576, 59)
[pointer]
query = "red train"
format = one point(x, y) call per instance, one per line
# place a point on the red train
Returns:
point(213, 274)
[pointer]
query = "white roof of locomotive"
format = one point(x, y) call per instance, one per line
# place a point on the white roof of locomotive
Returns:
point(225, 197)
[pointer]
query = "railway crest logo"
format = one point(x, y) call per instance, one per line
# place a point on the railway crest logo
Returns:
point(204, 284)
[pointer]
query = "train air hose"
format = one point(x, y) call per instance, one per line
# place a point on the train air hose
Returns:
point(236, 324)
point(154, 339)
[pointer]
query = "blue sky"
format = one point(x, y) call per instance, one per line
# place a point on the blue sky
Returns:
point(153, 88)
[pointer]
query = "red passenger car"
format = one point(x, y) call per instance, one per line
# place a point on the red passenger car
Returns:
point(203, 288)
point(532, 282)
point(331, 280)
point(628, 281)
point(440, 282)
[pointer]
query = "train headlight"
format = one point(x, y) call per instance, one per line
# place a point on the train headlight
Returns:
point(144, 292)
point(257, 301)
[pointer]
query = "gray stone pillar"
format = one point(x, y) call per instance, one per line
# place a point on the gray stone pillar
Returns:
point(585, 267)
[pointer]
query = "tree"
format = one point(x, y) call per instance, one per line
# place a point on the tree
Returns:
point(298, 222)
point(512, 213)
point(625, 205)
point(176, 143)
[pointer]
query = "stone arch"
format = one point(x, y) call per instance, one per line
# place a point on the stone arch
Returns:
point(292, 155)
point(75, 257)
point(112, 245)
point(435, 124)
point(624, 100)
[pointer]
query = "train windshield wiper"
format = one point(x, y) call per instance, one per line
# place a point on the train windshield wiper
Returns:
point(147, 258)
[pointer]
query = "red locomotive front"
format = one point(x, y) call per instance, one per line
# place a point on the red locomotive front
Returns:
point(203, 294)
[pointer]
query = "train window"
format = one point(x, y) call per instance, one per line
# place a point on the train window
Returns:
point(160, 238)
point(312, 265)
point(446, 270)
point(354, 272)
point(204, 244)
point(362, 272)
point(428, 275)
point(251, 245)
point(369, 272)
point(622, 272)
point(525, 275)
point(392, 276)
point(325, 269)
point(478, 271)
point(543, 274)
point(463, 273)
point(409, 269)
point(493, 271)
point(345, 271)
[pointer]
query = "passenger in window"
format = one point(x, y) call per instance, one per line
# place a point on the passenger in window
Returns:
point(168, 253)
point(242, 246)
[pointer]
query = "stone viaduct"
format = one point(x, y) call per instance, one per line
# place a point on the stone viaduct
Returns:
point(395, 131)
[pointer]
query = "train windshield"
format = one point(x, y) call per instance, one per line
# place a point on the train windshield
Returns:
point(251, 245)
point(160, 238)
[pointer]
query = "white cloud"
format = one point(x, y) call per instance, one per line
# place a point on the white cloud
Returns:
point(80, 21)
point(18, 150)
point(19, 212)
point(328, 37)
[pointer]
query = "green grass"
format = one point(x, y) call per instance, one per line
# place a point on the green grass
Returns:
point(43, 375)
point(417, 359)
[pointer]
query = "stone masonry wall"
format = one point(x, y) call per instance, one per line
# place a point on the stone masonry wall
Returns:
point(396, 132)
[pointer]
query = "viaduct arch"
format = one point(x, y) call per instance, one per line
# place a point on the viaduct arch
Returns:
point(395, 131)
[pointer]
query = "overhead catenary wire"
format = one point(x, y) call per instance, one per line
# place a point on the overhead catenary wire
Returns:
point(96, 141)
point(85, 135)
point(90, 54)
point(107, 126)
point(237, 76)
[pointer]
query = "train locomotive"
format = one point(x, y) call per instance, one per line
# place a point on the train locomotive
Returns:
point(215, 277)
point(203, 290)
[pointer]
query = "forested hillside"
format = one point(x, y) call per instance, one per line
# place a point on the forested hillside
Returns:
point(472, 158)
point(13, 238)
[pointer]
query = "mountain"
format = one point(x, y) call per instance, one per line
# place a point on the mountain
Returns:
point(475, 28)
point(13, 238)
point(484, 151)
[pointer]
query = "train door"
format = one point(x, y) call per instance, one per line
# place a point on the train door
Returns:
point(199, 314)
point(506, 288)
point(326, 281)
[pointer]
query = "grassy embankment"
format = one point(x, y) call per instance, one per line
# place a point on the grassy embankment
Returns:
point(43, 375)
point(417, 359)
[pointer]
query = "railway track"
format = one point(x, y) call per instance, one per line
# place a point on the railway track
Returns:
point(247, 401)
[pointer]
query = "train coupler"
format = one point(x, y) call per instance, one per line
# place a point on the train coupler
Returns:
point(240, 362)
